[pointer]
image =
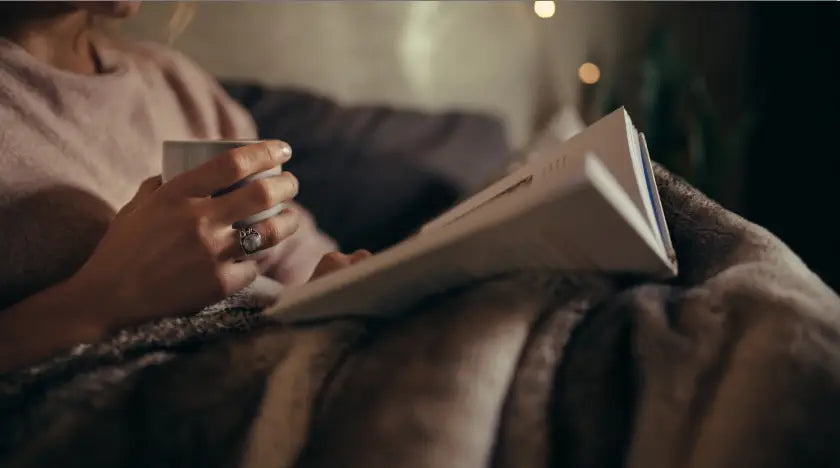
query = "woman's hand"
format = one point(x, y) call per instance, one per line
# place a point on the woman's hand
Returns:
point(172, 249)
point(334, 261)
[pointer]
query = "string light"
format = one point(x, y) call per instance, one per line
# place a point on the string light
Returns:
point(544, 8)
point(589, 73)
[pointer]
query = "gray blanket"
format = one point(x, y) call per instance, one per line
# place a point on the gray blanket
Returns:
point(735, 363)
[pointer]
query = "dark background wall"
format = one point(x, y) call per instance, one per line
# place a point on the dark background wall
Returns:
point(778, 62)
point(792, 183)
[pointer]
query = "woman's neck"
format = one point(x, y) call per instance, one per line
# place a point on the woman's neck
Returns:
point(61, 39)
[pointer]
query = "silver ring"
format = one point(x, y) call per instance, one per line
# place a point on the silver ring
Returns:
point(250, 240)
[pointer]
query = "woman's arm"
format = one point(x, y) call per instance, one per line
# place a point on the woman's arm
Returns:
point(76, 311)
point(50, 321)
point(170, 251)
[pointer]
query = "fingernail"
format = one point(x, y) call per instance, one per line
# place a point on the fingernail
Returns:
point(280, 150)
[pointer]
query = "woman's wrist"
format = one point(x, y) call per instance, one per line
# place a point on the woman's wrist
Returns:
point(89, 306)
point(50, 321)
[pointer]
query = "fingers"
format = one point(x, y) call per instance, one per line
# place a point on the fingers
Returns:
point(330, 262)
point(253, 198)
point(230, 167)
point(234, 276)
point(272, 231)
point(334, 261)
point(147, 187)
point(359, 255)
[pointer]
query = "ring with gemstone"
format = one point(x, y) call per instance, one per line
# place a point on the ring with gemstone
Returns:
point(250, 240)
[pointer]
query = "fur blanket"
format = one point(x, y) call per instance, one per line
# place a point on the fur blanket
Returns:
point(735, 363)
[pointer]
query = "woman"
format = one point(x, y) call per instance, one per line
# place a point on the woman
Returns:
point(82, 121)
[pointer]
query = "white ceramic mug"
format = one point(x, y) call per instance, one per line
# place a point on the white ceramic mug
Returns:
point(182, 155)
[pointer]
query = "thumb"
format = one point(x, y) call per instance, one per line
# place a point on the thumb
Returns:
point(147, 187)
point(359, 255)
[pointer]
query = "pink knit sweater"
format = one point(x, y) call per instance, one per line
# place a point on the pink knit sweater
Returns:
point(74, 148)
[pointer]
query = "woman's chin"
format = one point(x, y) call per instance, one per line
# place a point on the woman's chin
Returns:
point(111, 9)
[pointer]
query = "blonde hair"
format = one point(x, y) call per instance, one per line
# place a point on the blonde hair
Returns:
point(181, 17)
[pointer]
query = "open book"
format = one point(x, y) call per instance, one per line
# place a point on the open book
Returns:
point(592, 204)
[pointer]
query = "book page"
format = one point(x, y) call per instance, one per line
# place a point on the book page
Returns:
point(547, 170)
point(613, 139)
point(547, 227)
